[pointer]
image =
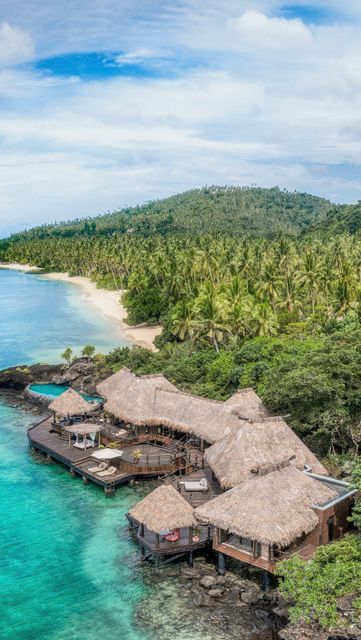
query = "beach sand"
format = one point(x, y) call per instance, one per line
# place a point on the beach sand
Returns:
point(14, 266)
point(108, 302)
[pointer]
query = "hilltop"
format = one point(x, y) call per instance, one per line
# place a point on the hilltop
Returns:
point(230, 210)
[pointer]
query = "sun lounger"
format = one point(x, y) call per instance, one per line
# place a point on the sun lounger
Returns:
point(201, 485)
point(108, 472)
point(100, 467)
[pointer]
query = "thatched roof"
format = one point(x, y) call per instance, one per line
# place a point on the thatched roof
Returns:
point(132, 398)
point(257, 448)
point(83, 428)
point(153, 400)
point(164, 508)
point(273, 509)
point(247, 404)
point(71, 403)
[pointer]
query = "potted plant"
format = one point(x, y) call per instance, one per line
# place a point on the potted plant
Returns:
point(137, 454)
point(196, 534)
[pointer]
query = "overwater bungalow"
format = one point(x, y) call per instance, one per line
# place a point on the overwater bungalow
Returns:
point(166, 526)
point(276, 514)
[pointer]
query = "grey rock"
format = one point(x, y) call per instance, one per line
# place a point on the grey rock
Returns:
point(208, 581)
point(216, 593)
point(231, 597)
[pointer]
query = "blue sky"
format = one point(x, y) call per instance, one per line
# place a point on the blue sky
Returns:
point(106, 103)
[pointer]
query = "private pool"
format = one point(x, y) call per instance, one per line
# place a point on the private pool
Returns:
point(55, 390)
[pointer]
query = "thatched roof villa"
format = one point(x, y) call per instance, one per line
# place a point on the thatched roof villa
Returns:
point(282, 509)
point(163, 509)
point(257, 447)
point(154, 401)
point(71, 403)
point(167, 526)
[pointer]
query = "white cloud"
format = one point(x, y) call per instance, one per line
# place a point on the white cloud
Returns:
point(255, 98)
point(136, 57)
point(15, 45)
point(255, 31)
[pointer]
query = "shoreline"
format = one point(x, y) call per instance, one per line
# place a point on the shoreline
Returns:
point(107, 302)
point(15, 266)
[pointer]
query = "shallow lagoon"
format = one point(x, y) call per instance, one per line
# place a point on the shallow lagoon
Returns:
point(40, 317)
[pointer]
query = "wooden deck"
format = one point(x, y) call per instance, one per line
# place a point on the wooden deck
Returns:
point(183, 545)
point(155, 461)
point(44, 440)
point(197, 498)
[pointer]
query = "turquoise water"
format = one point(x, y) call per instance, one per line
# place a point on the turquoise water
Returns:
point(68, 567)
point(55, 390)
point(40, 317)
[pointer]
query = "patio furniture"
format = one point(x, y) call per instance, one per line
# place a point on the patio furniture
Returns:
point(100, 467)
point(107, 472)
point(201, 485)
point(173, 536)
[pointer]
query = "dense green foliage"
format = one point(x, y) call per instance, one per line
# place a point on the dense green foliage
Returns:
point(230, 210)
point(315, 586)
point(215, 288)
point(340, 219)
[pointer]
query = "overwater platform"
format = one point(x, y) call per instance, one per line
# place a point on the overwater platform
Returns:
point(45, 440)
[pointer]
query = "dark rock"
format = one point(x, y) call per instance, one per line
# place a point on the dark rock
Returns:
point(231, 597)
point(252, 595)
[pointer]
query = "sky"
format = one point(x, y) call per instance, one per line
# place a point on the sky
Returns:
point(107, 103)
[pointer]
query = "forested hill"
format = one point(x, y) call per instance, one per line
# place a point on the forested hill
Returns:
point(339, 220)
point(230, 210)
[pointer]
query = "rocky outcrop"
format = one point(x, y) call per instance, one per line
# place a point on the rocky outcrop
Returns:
point(19, 377)
point(194, 602)
point(81, 375)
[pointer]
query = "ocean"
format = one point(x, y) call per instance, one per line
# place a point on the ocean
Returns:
point(69, 567)
point(39, 318)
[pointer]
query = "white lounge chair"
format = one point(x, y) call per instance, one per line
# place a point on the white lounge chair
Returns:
point(108, 472)
point(100, 467)
point(201, 485)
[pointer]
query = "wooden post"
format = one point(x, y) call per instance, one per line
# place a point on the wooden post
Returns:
point(266, 582)
point(190, 533)
point(221, 564)
point(69, 440)
point(141, 532)
point(157, 540)
point(190, 559)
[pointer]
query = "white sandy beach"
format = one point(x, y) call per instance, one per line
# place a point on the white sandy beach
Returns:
point(107, 302)
point(14, 266)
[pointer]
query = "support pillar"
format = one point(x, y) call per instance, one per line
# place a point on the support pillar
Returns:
point(266, 581)
point(221, 564)
point(190, 559)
